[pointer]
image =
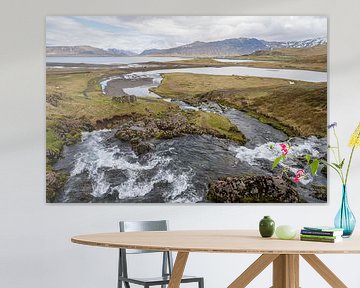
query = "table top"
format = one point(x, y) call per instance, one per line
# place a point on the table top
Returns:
point(217, 241)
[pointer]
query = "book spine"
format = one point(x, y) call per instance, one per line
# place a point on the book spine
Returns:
point(319, 233)
point(318, 236)
point(317, 239)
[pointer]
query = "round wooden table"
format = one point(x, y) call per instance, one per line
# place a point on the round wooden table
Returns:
point(284, 254)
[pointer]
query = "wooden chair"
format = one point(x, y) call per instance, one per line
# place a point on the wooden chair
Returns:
point(167, 262)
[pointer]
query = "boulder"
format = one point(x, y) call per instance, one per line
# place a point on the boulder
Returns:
point(320, 192)
point(142, 147)
point(124, 99)
point(251, 189)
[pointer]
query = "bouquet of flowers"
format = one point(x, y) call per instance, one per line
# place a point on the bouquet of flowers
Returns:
point(338, 165)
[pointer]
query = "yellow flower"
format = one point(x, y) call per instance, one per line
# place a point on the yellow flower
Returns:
point(355, 138)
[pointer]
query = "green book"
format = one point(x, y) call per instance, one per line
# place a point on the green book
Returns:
point(325, 240)
point(319, 236)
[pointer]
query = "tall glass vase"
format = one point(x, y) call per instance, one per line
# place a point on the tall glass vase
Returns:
point(345, 219)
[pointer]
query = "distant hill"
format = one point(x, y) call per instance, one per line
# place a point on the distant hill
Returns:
point(230, 47)
point(85, 51)
point(311, 58)
point(314, 51)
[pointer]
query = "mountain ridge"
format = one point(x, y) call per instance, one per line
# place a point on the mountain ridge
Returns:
point(85, 50)
point(220, 48)
point(231, 47)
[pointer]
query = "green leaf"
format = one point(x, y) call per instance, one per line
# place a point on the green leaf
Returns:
point(339, 166)
point(314, 166)
point(336, 165)
point(342, 163)
point(308, 158)
point(277, 161)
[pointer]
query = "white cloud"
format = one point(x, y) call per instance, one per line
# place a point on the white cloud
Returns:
point(138, 33)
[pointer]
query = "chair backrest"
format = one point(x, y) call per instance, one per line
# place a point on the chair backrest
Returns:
point(137, 226)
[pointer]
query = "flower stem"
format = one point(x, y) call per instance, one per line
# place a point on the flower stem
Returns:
point(351, 156)
point(339, 155)
point(338, 145)
point(336, 169)
point(348, 167)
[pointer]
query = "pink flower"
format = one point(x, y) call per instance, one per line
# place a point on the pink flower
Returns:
point(284, 149)
point(299, 175)
point(300, 172)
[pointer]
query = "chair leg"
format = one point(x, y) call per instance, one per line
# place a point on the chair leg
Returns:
point(201, 283)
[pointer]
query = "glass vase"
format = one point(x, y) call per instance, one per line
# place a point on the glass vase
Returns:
point(345, 219)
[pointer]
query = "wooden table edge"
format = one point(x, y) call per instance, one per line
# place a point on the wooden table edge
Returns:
point(203, 250)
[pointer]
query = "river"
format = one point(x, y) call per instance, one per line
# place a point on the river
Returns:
point(105, 169)
point(111, 60)
point(155, 75)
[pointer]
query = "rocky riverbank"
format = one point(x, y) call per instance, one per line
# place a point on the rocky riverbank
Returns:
point(167, 126)
point(251, 189)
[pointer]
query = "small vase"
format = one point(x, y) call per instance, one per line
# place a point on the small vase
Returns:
point(345, 219)
point(267, 227)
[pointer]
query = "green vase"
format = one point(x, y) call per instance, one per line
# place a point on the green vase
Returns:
point(267, 227)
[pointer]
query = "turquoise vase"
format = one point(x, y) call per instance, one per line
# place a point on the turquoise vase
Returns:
point(345, 219)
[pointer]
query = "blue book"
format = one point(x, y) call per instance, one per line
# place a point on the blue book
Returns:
point(322, 231)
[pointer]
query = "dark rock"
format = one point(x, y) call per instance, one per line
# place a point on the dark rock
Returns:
point(251, 189)
point(111, 197)
point(117, 120)
point(69, 129)
point(53, 154)
point(54, 98)
point(79, 190)
point(164, 126)
point(142, 147)
point(324, 170)
point(124, 99)
point(115, 176)
point(55, 181)
point(320, 192)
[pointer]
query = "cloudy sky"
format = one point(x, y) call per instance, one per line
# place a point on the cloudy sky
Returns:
point(137, 33)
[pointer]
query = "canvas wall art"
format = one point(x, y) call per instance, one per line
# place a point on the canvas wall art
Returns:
point(186, 109)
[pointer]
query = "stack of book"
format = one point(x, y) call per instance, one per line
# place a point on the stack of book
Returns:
point(321, 234)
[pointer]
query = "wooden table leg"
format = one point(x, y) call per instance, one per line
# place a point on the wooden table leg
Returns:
point(178, 269)
point(286, 271)
point(324, 271)
point(253, 270)
point(293, 262)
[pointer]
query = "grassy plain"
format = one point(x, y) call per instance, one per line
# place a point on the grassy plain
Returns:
point(314, 58)
point(80, 103)
point(299, 109)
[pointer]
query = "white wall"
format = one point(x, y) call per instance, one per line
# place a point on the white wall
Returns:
point(35, 248)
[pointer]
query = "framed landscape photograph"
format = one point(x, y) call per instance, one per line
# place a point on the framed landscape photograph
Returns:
point(186, 109)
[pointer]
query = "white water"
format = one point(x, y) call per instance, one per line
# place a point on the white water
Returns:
point(96, 158)
point(300, 148)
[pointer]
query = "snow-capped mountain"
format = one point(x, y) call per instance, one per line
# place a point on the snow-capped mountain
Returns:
point(306, 43)
point(231, 47)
